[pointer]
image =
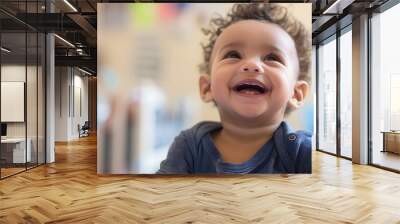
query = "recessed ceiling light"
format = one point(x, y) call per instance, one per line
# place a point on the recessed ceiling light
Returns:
point(71, 6)
point(84, 71)
point(5, 49)
point(64, 40)
point(337, 7)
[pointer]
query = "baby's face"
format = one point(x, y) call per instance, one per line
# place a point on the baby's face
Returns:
point(254, 69)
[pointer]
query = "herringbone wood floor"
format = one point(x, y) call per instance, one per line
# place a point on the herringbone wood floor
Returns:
point(70, 191)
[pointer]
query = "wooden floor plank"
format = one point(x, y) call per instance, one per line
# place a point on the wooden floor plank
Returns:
point(70, 191)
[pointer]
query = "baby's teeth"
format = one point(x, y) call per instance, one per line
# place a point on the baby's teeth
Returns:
point(249, 92)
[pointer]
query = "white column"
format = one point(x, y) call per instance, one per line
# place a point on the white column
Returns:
point(50, 99)
point(50, 92)
point(360, 90)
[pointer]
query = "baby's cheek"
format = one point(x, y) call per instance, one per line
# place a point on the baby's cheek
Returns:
point(216, 92)
point(217, 82)
point(285, 84)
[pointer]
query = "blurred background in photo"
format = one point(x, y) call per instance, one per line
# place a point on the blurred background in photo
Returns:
point(148, 57)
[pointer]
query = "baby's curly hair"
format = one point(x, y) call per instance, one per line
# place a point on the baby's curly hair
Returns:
point(268, 12)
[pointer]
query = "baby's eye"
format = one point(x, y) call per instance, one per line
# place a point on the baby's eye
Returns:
point(232, 54)
point(272, 57)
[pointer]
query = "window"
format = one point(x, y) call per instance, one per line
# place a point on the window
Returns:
point(327, 96)
point(385, 89)
point(22, 74)
point(346, 93)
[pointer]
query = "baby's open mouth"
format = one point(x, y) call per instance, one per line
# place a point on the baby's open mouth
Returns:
point(253, 87)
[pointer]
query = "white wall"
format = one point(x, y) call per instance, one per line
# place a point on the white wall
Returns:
point(16, 73)
point(12, 73)
point(33, 127)
point(80, 100)
point(71, 93)
point(61, 103)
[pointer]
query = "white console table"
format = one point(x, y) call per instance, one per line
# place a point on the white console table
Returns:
point(18, 149)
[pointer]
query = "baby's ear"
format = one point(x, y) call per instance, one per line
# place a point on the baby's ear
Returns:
point(299, 94)
point(205, 88)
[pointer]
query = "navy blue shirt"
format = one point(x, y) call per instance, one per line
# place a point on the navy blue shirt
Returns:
point(194, 152)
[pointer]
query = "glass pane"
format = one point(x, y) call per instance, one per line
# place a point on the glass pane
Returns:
point(13, 85)
point(31, 86)
point(313, 87)
point(41, 98)
point(386, 89)
point(31, 97)
point(327, 96)
point(346, 94)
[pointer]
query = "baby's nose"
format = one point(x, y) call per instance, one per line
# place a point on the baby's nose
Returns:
point(251, 67)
